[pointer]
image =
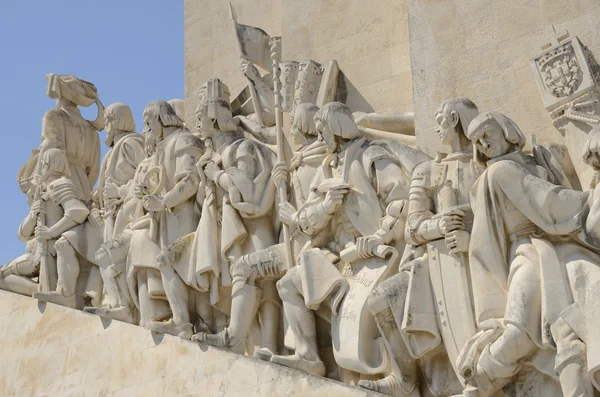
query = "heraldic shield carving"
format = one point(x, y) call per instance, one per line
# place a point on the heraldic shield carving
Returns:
point(560, 71)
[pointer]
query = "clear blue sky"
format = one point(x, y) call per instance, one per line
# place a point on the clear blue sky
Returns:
point(131, 50)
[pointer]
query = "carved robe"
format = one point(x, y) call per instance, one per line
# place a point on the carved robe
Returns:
point(378, 187)
point(119, 166)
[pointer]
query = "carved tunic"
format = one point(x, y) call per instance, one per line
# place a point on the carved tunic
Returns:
point(68, 131)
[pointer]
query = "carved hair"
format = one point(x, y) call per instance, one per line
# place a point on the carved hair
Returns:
point(120, 116)
point(57, 162)
point(339, 118)
point(512, 133)
point(165, 113)
point(303, 118)
point(465, 108)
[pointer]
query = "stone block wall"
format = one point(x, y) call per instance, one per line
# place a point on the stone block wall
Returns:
point(480, 49)
point(51, 351)
point(368, 39)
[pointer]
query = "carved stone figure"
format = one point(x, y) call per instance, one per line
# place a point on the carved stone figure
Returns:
point(251, 269)
point(520, 285)
point(357, 177)
point(173, 202)
point(242, 172)
point(64, 210)
point(117, 172)
point(64, 128)
point(439, 223)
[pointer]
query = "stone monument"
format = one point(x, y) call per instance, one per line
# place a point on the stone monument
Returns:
point(294, 210)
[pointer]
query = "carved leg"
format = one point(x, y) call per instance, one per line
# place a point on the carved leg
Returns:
point(570, 362)
point(150, 309)
point(245, 303)
point(403, 379)
point(177, 295)
point(68, 270)
point(103, 260)
point(302, 323)
point(269, 317)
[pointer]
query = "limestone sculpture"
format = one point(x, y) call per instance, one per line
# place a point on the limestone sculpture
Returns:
point(116, 174)
point(359, 257)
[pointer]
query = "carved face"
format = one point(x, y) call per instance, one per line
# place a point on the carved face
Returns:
point(491, 142)
point(110, 131)
point(446, 123)
point(151, 132)
point(297, 135)
point(326, 135)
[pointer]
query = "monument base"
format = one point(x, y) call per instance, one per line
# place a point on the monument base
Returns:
point(50, 350)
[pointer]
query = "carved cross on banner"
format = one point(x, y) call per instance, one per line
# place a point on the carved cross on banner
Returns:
point(554, 37)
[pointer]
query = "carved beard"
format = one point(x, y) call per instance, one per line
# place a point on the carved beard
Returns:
point(150, 142)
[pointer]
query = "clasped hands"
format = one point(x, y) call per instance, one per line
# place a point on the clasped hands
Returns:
point(452, 226)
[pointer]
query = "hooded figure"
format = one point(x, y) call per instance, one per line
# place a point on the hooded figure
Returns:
point(519, 265)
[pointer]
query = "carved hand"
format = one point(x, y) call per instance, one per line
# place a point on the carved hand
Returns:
point(334, 198)
point(250, 70)
point(458, 241)
point(288, 214)
point(452, 220)
point(154, 203)
point(366, 245)
point(280, 174)
point(111, 191)
point(43, 232)
point(138, 191)
point(212, 171)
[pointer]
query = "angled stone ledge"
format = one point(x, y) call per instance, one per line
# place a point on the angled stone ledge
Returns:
point(50, 350)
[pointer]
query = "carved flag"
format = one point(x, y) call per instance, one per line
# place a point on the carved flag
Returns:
point(253, 43)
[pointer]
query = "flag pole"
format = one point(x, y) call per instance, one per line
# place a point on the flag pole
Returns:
point(275, 45)
point(253, 93)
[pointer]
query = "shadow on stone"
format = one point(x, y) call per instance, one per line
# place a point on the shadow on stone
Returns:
point(106, 322)
point(157, 337)
point(41, 306)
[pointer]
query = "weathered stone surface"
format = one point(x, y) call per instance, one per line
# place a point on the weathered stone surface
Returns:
point(50, 350)
point(481, 50)
point(369, 43)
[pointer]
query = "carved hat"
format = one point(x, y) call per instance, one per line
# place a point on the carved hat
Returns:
point(179, 106)
point(338, 117)
point(511, 131)
point(80, 92)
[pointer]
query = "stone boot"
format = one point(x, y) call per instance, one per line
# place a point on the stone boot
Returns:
point(392, 386)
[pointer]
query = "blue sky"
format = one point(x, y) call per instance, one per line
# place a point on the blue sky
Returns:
point(131, 50)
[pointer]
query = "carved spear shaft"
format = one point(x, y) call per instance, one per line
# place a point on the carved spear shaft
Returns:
point(275, 44)
point(44, 278)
